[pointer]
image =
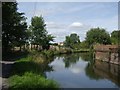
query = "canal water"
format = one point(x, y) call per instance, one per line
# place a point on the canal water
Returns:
point(82, 71)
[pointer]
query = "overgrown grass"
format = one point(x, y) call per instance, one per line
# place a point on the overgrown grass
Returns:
point(30, 81)
point(81, 50)
point(51, 53)
point(29, 72)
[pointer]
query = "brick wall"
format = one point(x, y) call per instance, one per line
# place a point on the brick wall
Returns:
point(108, 53)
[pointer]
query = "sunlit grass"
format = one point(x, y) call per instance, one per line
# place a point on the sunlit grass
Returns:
point(30, 81)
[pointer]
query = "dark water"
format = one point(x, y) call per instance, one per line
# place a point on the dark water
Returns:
point(81, 71)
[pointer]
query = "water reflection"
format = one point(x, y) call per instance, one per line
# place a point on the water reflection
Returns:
point(81, 71)
point(70, 60)
point(108, 71)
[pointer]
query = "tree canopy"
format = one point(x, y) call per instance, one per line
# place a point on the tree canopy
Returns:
point(39, 34)
point(14, 26)
point(115, 37)
point(72, 41)
point(98, 35)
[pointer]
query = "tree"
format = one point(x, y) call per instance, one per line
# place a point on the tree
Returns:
point(115, 37)
point(98, 35)
point(72, 41)
point(39, 34)
point(14, 26)
point(84, 44)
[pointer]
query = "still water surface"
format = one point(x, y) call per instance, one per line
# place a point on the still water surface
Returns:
point(81, 71)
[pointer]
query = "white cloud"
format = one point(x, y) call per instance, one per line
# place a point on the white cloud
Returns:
point(60, 31)
point(76, 24)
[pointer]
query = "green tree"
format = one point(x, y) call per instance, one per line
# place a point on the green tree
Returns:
point(72, 41)
point(115, 37)
point(84, 44)
point(14, 26)
point(97, 35)
point(39, 33)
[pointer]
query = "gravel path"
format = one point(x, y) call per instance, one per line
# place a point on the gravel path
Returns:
point(5, 73)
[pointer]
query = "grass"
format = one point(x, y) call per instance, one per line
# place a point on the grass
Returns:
point(29, 72)
point(81, 50)
point(51, 53)
point(30, 81)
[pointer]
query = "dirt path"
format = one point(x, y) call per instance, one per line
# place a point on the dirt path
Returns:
point(6, 69)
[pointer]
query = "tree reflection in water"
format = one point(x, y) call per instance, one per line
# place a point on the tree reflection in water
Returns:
point(70, 59)
point(108, 71)
point(101, 70)
point(94, 70)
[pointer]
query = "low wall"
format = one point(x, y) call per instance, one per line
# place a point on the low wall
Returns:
point(108, 53)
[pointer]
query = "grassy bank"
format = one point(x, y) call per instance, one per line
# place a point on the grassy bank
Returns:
point(30, 81)
point(50, 53)
point(80, 50)
point(29, 73)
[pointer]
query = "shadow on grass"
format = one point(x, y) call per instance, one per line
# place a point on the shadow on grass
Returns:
point(19, 68)
point(13, 55)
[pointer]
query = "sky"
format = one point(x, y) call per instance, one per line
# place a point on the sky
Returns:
point(64, 18)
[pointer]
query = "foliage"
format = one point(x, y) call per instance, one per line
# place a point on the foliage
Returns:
point(97, 35)
point(84, 45)
point(48, 53)
point(30, 81)
point(72, 41)
point(14, 26)
point(39, 35)
point(115, 37)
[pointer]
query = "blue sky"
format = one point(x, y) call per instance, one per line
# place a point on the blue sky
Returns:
point(64, 18)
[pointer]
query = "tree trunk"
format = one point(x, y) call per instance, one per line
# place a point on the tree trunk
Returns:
point(24, 47)
point(20, 48)
point(31, 46)
point(34, 46)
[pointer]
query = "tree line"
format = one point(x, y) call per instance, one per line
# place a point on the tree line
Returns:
point(16, 32)
point(93, 36)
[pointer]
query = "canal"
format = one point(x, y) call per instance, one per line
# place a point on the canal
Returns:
point(81, 71)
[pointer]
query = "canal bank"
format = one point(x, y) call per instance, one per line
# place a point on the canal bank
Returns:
point(107, 53)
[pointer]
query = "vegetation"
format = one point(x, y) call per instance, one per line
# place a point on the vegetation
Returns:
point(72, 41)
point(30, 81)
point(29, 73)
point(115, 37)
point(39, 35)
point(84, 45)
point(93, 36)
point(14, 27)
point(97, 35)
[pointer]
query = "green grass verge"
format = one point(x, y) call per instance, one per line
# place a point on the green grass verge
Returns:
point(30, 81)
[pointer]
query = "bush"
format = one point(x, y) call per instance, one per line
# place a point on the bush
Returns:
point(48, 53)
point(30, 81)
